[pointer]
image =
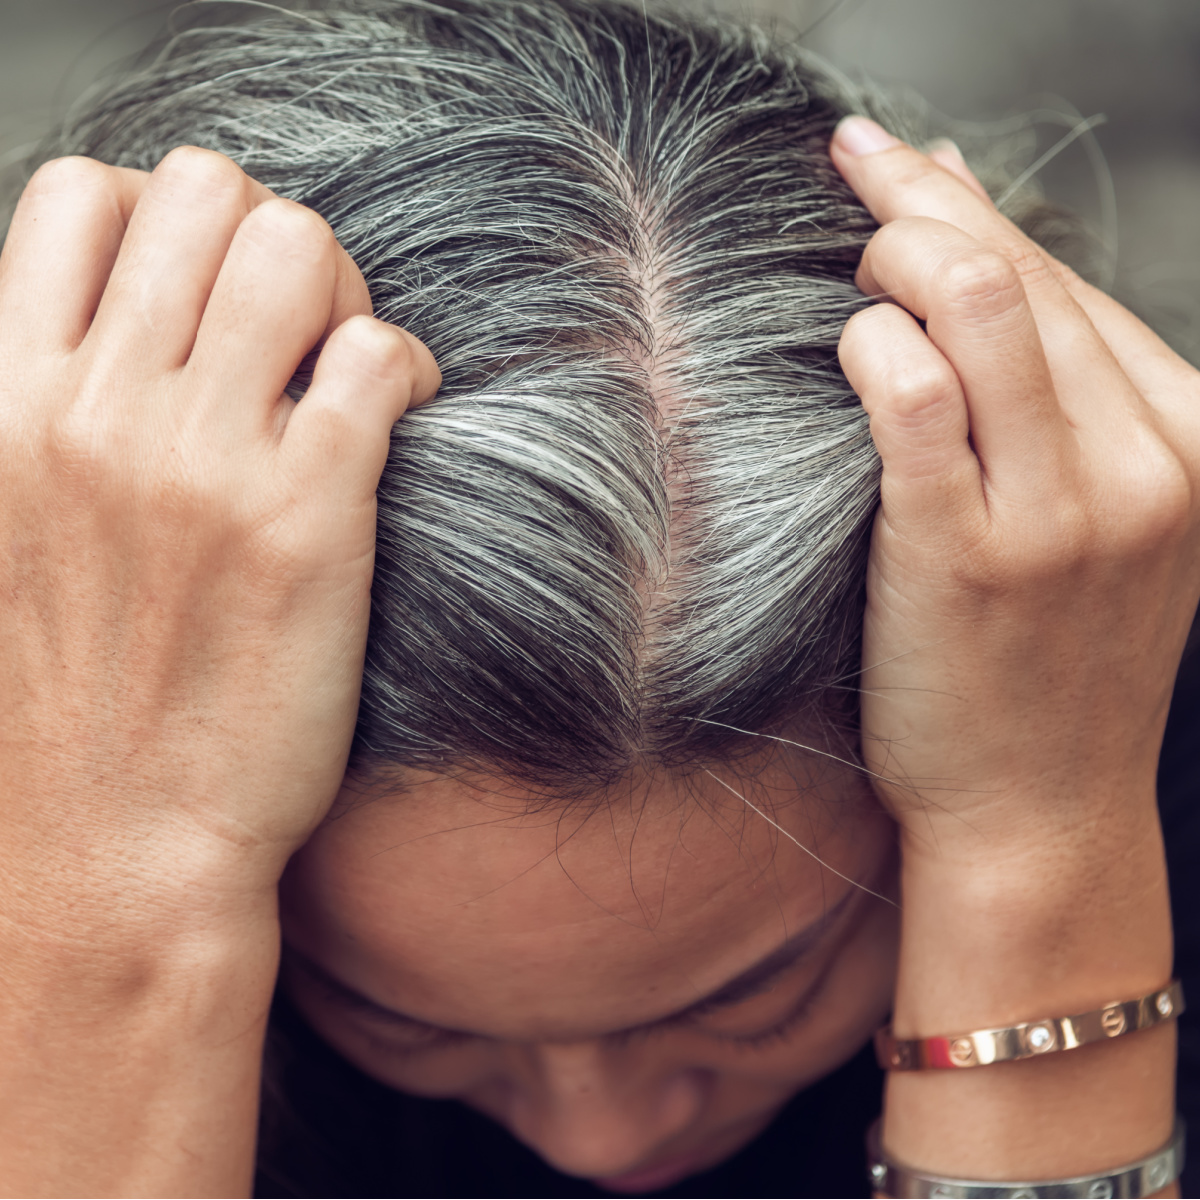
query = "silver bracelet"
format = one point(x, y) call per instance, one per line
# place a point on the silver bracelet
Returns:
point(1143, 1178)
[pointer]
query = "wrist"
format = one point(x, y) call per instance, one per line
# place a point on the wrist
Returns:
point(1030, 932)
point(129, 1064)
point(1072, 1113)
point(101, 928)
point(105, 970)
point(1027, 828)
point(61, 872)
point(1020, 935)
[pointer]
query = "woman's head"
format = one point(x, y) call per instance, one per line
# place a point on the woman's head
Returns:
point(634, 523)
point(606, 729)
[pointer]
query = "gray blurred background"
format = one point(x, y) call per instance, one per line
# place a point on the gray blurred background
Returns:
point(1135, 61)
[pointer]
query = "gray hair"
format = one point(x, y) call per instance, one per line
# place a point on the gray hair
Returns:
point(633, 527)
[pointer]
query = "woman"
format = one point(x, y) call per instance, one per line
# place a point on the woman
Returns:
point(612, 847)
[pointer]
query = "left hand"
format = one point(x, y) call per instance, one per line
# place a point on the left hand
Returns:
point(1034, 567)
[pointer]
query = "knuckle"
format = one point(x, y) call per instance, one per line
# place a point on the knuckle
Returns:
point(1030, 263)
point(202, 172)
point(1142, 512)
point(81, 451)
point(921, 383)
point(96, 465)
point(913, 174)
point(302, 231)
point(982, 282)
point(73, 176)
point(1162, 500)
point(379, 346)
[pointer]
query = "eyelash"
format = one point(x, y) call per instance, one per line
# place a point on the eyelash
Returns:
point(432, 1038)
point(782, 1029)
point(749, 1041)
point(778, 1032)
point(439, 1039)
point(425, 1037)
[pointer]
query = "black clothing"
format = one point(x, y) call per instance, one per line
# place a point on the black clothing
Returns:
point(331, 1131)
point(1179, 804)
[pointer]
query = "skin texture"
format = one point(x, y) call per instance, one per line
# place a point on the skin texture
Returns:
point(183, 610)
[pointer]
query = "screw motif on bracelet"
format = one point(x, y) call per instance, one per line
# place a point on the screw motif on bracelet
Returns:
point(983, 1047)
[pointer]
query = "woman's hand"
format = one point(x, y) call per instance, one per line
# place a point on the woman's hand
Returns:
point(1036, 562)
point(185, 589)
point(1034, 570)
point(184, 597)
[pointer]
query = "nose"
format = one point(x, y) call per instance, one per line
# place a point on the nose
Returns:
point(593, 1110)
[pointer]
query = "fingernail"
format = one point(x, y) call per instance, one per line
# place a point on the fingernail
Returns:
point(944, 145)
point(860, 136)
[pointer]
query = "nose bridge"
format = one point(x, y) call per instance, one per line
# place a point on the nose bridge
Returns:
point(584, 1071)
point(598, 1107)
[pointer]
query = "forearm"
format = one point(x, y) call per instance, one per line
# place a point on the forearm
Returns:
point(129, 1066)
point(1053, 935)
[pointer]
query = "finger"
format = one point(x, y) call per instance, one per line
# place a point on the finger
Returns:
point(64, 238)
point(172, 252)
point(1166, 381)
point(977, 315)
point(918, 417)
point(270, 304)
point(172, 255)
point(368, 375)
point(949, 157)
point(893, 180)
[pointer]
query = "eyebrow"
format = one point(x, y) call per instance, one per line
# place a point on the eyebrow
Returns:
point(753, 981)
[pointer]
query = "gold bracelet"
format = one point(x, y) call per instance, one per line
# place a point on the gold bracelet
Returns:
point(984, 1047)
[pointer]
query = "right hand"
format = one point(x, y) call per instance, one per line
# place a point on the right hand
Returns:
point(187, 555)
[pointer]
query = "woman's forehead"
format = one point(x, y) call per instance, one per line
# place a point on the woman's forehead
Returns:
point(456, 910)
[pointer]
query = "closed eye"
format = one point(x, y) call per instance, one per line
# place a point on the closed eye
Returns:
point(785, 1026)
point(408, 1032)
point(778, 1032)
point(403, 1032)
